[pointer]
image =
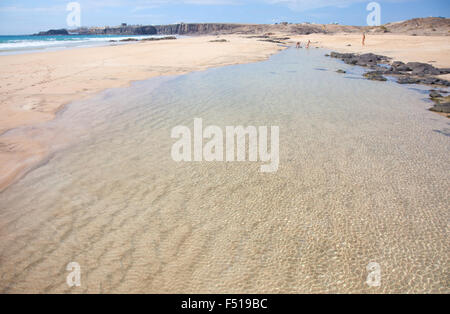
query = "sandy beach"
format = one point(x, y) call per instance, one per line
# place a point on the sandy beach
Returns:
point(36, 85)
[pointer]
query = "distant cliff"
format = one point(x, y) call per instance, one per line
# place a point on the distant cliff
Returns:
point(118, 30)
point(198, 28)
point(423, 26)
point(221, 28)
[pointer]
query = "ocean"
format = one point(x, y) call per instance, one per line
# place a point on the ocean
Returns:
point(27, 43)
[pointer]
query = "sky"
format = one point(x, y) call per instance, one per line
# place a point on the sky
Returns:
point(30, 16)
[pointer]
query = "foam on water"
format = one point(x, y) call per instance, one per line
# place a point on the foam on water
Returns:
point(363, 177)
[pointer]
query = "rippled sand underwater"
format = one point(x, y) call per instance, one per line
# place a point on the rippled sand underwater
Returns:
point(363, 177)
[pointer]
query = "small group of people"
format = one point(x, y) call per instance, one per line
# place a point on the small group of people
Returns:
point(299, 44)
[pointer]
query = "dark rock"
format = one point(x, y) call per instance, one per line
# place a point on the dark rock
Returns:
point(445, 107)
point(400, 66)
point(365, 60)
point(341, 55)
point(370, 57)
point(160, 38)
point(408, 80)
point(375, 76)
point(404, 68)
point(410, 73)
point(53, 32)
point(351, 61)
point(422, 69)
point(435, 94)
point(129, 39)
point(434, 81)
point(397, 64)
point(341, 71)
point(392, 71)
point(429, 80)
point(218, 41)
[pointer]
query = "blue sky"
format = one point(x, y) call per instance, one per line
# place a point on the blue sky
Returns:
point(30, 16)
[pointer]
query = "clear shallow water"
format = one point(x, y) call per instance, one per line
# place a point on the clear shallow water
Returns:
point(363, 177)
point(24, 43)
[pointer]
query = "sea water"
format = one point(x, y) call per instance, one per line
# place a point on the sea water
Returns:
point(28, 43)
point(363, 180)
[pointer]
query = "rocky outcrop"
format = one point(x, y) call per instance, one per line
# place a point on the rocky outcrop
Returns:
point(435, 94)
point(409, 73)
point(159, 38)
point(444, 108)
point(421, 69)
point(53, 32)
point(365, 60)
point(375, 76)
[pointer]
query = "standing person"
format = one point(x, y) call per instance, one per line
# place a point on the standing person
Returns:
point(309, 41)
point(364, 39)
point(298, 45)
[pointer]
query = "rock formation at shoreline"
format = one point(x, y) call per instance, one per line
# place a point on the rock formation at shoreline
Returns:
point(53, 32)
point(119, 30)
point(409, 73)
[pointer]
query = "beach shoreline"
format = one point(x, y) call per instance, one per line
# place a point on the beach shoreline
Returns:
point(61, 77)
